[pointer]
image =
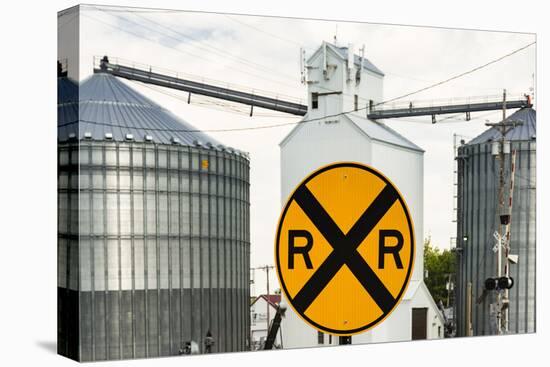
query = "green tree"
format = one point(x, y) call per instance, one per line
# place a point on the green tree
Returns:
point(439, 265)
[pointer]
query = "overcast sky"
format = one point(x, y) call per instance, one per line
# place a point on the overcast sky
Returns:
point(262, 53)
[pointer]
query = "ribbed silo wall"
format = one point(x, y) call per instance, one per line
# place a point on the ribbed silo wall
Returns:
point(478, 179)
point(154, 249)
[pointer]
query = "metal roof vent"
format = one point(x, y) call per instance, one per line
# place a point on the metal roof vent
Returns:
point(534, 137)
point(129, 137)
point(175, 140)
point(209, 145)
point(109, 136)
point(72, 136)
point(221, 147)
point(87, 135)
point(198, 143)
point(148, 138)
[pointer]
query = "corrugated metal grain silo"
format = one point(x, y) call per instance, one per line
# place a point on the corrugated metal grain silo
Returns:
point(478, 177)
point(153, 236)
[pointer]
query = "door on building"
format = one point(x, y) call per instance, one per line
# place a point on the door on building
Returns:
point(344, 340)
point(419, 323)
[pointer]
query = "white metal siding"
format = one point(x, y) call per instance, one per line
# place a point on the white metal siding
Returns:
point(405, 168)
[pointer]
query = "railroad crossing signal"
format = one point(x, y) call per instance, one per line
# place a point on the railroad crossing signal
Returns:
point(345, 248)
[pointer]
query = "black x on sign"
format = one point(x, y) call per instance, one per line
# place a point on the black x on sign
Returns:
point(345, 248)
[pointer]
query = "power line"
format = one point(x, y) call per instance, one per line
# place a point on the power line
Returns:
point(332, 115)
point(179, 50)
point(380, 103)
point(313, 49)
point(261, 127)
point(221, 52)
point(133, 10)
point(265, 32)
point(225, 53)
point(463, 74)
point(249, 63)
point(174, 48)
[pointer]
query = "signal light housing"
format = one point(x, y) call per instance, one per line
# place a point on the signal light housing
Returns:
point(492, 284)
point(505, 282)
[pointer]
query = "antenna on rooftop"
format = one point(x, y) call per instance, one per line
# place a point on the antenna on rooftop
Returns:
point(303, 71)
point(336, 35)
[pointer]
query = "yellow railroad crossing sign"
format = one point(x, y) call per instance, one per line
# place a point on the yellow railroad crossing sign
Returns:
point(345, 248)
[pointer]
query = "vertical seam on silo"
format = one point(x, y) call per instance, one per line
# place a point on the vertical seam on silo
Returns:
point(242, 293)
point(479, 232)
point(92, 251)
point(132, 244)
point(461, 239)
point(527, 229)
point(67, 242)
point(219, 289)
point(79, 278)
point(221, 279)
point(534, 170)
point(470, 227)
point(71, 241)
point(168, 244)
point(485, 222)
point(474, 230)
point(238, 237)
point(200, 241)
point(145, 247)
point(227, 268)
point(211, 240)
point(521, 195)
point(92, 248)
point(232, 252)
point(157, 249)
point(119, 252)
point(180, 243)
point(106, 252)
point(191, 242)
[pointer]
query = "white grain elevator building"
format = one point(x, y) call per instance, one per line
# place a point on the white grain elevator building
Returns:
point(340, 81)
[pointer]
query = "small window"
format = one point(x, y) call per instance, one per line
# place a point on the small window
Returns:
point(314, 101)
point(355, 102)
point(320, 338)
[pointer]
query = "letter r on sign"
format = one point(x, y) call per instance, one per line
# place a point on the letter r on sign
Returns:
point(303, 250)
point(394, 250)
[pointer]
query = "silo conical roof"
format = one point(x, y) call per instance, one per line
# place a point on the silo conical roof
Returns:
point(107, 105)
point(526, 131)
point(67, 107)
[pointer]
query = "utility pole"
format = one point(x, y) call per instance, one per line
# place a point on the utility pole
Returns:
point(266, 268)
point(500, 149)
point(507, 237)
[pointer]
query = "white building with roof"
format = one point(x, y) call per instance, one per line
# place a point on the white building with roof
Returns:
point(339, 81)
point(259, 320)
